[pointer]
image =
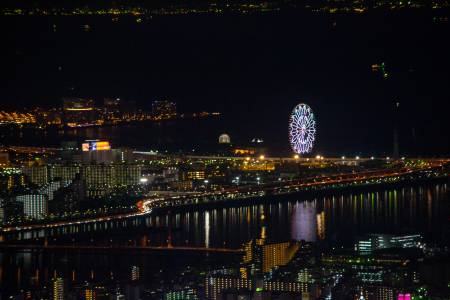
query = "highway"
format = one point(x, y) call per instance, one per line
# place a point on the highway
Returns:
point(41, 247)
point(146, 206)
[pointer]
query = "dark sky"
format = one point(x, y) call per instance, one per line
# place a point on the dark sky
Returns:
point(254, 69)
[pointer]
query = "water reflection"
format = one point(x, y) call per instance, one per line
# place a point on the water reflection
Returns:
point(304, 227)
point(336, 219)
point(270, 229)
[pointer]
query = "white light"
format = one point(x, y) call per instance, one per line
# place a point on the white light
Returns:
point(143, 180)
point(206, 181)
point(388, 158)
point(296, 156)
point(261, 157)
point(302, 129)
point(343, 157)
point(357, 157)
point(372, 158)
point(318, 156)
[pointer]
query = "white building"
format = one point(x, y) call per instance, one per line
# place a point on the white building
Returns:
point(34, 205)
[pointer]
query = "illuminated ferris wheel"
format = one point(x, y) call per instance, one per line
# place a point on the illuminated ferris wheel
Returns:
point(302, 129)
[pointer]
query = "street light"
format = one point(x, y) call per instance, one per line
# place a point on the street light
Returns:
point(261, 157)
point(296, 156)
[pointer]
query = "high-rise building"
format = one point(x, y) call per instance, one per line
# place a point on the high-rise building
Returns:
point(134, 273)
point(68, 198)
point(34, 205)
point(215, 285)
point(63, 172)
point(37, 174)
point(90, 293)
point(278, 254)
point(382, 241)
point(102, 178)
point(10, 181)
point(58, 289)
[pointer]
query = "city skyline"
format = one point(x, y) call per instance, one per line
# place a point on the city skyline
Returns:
point(217, 150)
point(253, 77)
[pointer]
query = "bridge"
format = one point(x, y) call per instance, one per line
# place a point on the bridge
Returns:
point(237, 193)
point(44, 247)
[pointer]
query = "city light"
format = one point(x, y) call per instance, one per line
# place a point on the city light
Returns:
point(302, 129)
point(140, 197)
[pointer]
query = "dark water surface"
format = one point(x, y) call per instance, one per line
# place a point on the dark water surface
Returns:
point(254, 69)
point(329, 221)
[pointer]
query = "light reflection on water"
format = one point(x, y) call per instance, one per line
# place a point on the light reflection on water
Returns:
point(331, 220)
point(336, 219)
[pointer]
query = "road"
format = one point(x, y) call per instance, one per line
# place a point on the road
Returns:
point(241, 192)
point(116, 248)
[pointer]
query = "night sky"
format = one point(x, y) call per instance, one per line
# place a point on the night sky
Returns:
point(253, 69)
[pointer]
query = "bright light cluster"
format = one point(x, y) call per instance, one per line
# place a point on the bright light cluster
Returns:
point(302, 129)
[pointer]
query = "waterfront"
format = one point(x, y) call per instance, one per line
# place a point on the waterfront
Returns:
point(252, 69)
point(331, 221)
point(230, 151)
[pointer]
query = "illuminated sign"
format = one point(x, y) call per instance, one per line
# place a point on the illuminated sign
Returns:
point(95, 146)
point(404, 297)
